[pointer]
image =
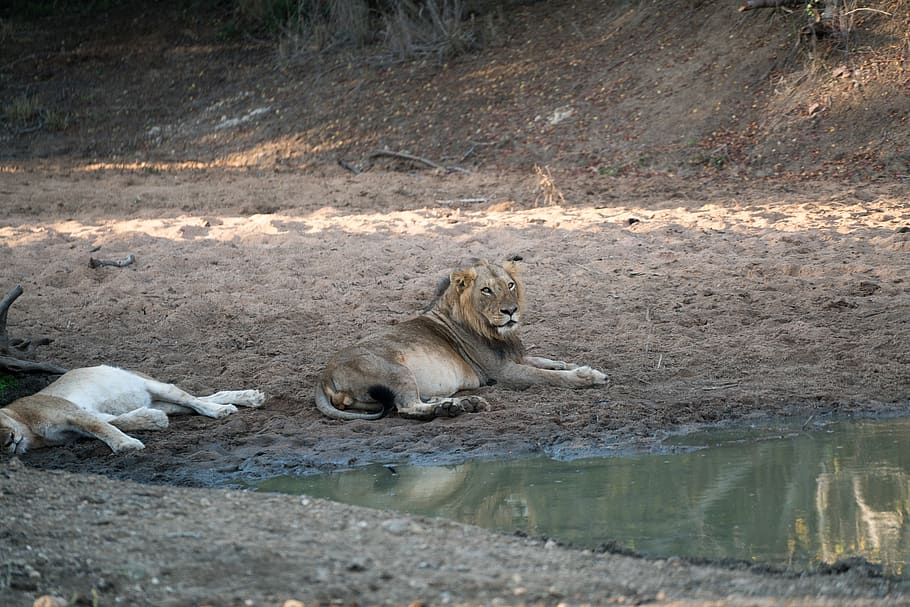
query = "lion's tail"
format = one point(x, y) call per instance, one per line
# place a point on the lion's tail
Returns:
point(324, 404)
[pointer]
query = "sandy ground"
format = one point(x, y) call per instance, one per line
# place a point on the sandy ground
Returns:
point(705, 301)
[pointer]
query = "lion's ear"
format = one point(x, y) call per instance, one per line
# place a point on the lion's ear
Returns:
point(511, 267)
point(463, 279)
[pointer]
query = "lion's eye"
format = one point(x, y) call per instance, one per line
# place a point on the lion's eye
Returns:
point(511, 286)
point(487, 291)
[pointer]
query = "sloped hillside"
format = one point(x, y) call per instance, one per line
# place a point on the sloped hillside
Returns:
point(680, 86)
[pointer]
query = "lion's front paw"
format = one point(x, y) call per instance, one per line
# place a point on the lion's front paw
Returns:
point(452, 407)
point(473, 404)
point(586, 376)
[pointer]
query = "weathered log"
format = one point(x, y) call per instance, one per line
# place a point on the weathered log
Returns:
point(12, 349)
point(16, 365)
point(5, 303)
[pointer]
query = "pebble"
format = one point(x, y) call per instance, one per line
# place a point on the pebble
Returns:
point(396, 526)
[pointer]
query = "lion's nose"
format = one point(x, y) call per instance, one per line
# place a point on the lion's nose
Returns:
point(509, 311)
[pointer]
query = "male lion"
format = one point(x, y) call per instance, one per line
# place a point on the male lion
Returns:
point(104, 402)
point(466, 339)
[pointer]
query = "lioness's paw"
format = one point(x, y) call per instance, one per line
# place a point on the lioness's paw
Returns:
point(589, 377)
point(242, 398)
point(158, 419)
point(251, 398)
point(128, 444)
point(219, 411)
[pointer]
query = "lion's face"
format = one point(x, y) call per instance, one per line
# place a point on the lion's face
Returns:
point(489, 298)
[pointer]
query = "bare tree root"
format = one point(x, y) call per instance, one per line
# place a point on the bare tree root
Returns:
point(11, 350)
point(411, 157)
point(749, 5)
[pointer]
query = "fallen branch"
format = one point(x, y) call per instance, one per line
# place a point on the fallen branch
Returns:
point(750, 5)
point(12, 349)
point(413, 158)
point(16, 365)
point(117, 263)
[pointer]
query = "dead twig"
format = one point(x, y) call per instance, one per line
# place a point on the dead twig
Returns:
point(473, 148)
point(117, 263)
point(807, 422)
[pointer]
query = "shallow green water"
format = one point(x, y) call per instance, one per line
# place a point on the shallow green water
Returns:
point(777, 496)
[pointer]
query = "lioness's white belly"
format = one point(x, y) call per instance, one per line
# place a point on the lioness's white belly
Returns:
point(102, 389)
point(439, 375)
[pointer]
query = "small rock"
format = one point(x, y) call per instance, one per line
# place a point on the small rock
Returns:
point(49, 601)
point(396, 526)
point(292, 603)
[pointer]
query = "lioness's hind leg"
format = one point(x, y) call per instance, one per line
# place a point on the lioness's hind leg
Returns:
point(169, 393)
point(443, 407)
point(242, 398)
point(141, 419)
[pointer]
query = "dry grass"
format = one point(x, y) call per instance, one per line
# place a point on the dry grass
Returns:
point(547, 192)
point(403, 29)
point(431, 28)
point(22, 111)
point(25, 114)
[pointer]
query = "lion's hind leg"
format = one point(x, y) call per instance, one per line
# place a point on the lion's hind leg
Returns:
point(404, 394)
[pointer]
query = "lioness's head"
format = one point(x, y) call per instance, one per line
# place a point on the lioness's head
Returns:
point(14, 435)
point(486, 297)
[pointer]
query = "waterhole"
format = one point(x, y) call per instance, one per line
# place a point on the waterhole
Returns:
point(776, 495)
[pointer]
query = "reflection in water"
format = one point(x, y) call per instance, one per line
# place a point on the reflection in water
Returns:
point(787, 499)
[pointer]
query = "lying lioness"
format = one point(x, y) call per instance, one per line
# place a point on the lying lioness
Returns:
point(467, 338)
point(105, 402)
